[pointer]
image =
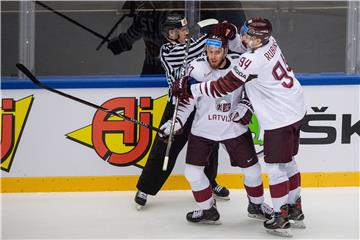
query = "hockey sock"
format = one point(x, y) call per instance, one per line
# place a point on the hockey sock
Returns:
point(294, 181)
point(200, 185)
point(253, 183)
point(278, 184)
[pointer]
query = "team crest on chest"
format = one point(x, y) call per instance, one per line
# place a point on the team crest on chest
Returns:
point(223, 104)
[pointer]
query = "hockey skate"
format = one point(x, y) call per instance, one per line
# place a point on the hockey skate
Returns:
point(208, 216)
point(260, 211)
point(221, 192)
point(140, 199)
point(279, 224)
point(296, 216)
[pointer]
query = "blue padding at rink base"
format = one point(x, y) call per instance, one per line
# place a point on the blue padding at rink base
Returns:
point(155, 81)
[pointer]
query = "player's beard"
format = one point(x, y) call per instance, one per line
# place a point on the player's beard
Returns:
point(216, 65)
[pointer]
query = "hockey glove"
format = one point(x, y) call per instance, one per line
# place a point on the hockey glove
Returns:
point(224, 29)
point(165, 128)
point(118, 44)
point(243, 112)
point(181, 88)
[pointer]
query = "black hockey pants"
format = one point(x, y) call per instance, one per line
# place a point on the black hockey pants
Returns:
point(153, 177)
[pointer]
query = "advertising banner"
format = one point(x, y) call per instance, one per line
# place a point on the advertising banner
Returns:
point(47, 135)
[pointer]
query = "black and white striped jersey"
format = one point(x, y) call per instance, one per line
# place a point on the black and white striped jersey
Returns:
point(172, 56)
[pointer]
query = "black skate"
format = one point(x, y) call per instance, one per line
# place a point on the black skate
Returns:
point(296, 216)
point(140, 199)
point(279, 224)
point(260, 211)
point(221, 192)
point(209, 216)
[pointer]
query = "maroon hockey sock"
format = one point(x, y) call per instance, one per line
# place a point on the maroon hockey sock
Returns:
point(203, 195)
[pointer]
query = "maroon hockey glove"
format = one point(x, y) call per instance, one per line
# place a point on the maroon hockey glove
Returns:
point(181, 88)
point(243, 112)
point(224, 29)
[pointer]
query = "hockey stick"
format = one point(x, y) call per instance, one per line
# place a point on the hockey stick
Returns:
point(173, 120)
point(72, 21)
point(131, 14)
point(27, 72)
point(111, 31)
point(192, 31)
point(204, 23)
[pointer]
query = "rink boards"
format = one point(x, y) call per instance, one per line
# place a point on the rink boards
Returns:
point(50, 143)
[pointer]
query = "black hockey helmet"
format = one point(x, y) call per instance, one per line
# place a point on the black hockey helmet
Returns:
point(172, 21)
point(258, 27)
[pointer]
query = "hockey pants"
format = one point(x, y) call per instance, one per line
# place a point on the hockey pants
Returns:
point(153, 177)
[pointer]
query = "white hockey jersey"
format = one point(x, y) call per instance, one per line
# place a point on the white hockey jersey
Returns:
point(212, 120)
point(275, 93)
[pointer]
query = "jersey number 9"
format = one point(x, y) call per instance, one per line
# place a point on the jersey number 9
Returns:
point(280, 73)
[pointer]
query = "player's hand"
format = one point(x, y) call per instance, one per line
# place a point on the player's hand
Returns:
point(224, 29)
point(243, 112)
point(181, 88)
point(165, 129)
point(118, 44)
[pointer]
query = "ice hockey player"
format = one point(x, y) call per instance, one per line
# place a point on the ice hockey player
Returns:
point(231, 131)
point(152, 178)
point(278, 101)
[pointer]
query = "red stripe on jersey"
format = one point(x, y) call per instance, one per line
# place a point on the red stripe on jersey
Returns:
point(182, 103)
point(294, 181)
point(206, 89)
point(225, 85)
point(202, 195)
point(179, 120)
point(233, 80)
point(220, 87)
point(214, 86)
point(279, 190)
point(257, 191)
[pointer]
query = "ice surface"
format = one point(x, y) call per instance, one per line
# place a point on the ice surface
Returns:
point(329, 213)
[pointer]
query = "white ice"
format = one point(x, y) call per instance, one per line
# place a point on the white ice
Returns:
point(330, 213)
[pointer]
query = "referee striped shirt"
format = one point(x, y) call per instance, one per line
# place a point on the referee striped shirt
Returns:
point(172, 56)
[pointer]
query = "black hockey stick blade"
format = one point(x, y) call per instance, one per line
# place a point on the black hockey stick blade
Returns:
point(27, 73)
